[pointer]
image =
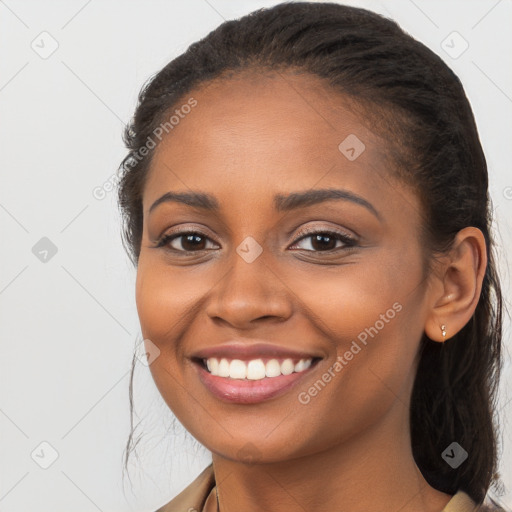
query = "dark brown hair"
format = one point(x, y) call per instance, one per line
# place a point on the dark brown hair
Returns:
point(437, 149)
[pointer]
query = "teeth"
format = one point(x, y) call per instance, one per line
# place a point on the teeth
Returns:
point(287, 367)
point(299, 366)
point(254, 369)
point(302, 365)
point(213, 365)
point(273, 368)
point(237, 369)
point(223, 370)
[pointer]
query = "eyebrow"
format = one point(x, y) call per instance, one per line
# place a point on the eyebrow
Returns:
point(281, 202)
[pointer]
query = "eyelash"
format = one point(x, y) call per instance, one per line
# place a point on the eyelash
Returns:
point(347, 240)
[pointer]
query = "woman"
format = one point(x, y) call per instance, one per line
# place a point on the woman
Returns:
point(305, 199)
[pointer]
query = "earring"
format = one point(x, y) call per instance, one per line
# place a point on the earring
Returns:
point(443, 331)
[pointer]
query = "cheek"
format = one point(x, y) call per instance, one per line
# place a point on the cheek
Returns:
point(347, 301)
point(372, 313)
point(165, 297)
point(371, 373)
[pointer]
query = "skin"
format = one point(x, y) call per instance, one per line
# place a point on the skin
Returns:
point(349, 448)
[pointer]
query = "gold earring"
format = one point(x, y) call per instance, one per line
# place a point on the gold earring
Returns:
point(443, 331)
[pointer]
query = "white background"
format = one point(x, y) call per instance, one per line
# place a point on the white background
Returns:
point(68, 326)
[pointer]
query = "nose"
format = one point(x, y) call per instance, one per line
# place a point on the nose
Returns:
point(249, 293)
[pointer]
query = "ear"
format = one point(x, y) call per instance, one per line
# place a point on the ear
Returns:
point(459, 283)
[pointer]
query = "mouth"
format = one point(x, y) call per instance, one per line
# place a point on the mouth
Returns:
point(250, 380)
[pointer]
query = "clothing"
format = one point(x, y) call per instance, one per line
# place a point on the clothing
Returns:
point(200, 496)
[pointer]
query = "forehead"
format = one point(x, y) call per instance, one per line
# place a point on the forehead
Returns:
point(302, 109)
point(274, 132)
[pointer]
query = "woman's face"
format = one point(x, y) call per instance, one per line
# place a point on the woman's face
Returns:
point(274, 276)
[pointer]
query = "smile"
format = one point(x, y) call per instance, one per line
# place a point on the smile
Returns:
point(252, 371)
point(255, 369)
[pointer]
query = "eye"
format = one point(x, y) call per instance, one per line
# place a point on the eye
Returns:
point(185, 241)
point(317, 241)
point(324, 241)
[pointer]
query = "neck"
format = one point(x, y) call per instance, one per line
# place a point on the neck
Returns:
point(372, 471)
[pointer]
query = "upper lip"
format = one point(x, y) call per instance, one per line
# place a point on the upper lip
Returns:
point(251, 350)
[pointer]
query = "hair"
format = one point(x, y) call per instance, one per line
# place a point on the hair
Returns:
point(425, 111)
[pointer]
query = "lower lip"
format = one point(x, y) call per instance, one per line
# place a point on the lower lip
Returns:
point(242, 391)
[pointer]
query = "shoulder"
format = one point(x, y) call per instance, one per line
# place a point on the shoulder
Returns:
point(194, 495)
point(490, 507)
point(462, 502)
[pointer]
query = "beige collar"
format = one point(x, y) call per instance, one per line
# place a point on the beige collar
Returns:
point(201, 496)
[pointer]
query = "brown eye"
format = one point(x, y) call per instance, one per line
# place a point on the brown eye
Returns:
point(323, 241)
point(190, 241)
